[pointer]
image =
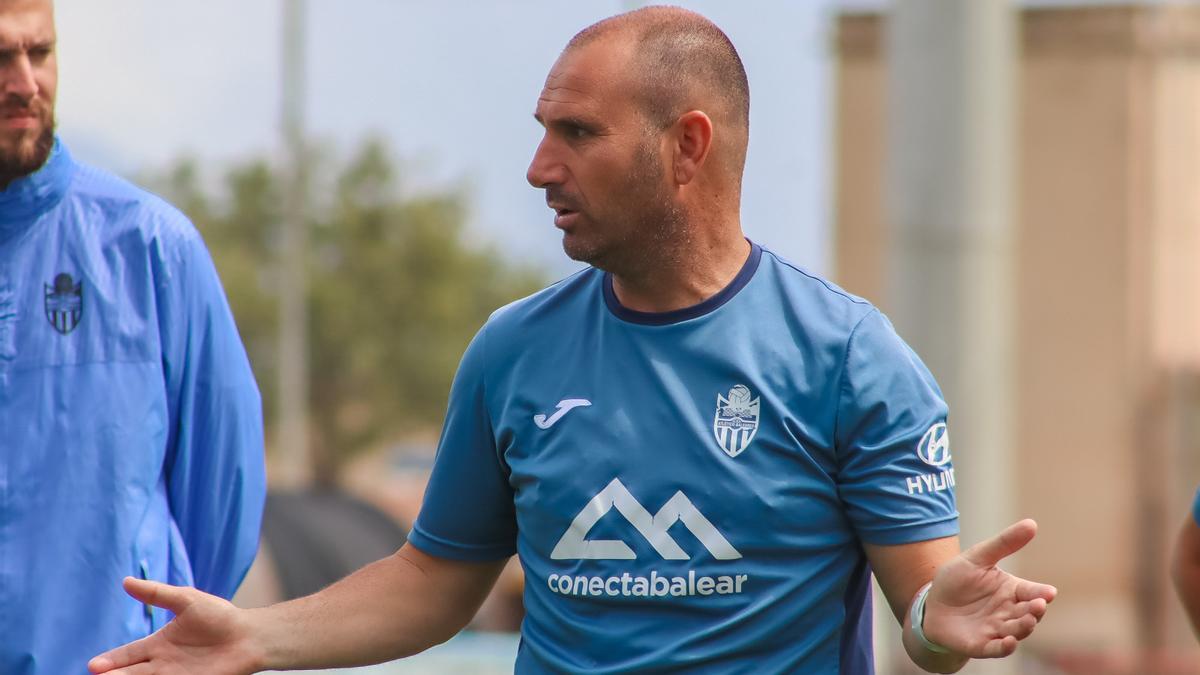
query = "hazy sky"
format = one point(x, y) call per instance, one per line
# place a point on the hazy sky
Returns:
point(450, 85)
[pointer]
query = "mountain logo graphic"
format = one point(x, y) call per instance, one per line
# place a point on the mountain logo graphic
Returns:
point(575, 546)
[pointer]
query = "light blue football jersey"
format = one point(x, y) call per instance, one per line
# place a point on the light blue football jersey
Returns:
point(1196, 508)
point(689, 491)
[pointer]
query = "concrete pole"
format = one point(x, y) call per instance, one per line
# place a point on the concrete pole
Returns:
point(950, 209)
point(295, 462)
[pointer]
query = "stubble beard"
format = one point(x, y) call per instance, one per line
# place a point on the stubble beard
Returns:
point(647, 232)
point(28, 151)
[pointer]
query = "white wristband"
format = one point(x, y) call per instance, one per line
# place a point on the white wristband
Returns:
point(917, 618)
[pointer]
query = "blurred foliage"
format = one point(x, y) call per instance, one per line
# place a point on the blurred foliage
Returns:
point(396, 291)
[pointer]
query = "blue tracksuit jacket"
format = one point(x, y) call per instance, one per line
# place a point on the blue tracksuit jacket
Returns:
point(130, 423)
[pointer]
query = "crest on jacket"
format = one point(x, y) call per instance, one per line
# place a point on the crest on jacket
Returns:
point(64, 303)
point(736, 421)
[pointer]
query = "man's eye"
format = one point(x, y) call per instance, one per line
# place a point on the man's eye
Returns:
point(576, 133)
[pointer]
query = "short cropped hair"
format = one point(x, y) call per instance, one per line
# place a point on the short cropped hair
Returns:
point(679, 53)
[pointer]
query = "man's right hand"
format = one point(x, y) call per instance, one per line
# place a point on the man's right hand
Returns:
point(208, 636)
point(392, 608)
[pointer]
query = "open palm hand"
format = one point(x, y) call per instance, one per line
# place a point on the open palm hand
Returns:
point(206, 637)
point(978, 610)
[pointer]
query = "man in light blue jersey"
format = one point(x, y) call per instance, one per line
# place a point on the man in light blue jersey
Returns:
point(698, 451)
point(1186, 565)
point(130, 424)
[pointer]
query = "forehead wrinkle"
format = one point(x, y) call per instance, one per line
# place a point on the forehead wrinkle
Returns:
point(550, 88)
point(559, 96)
point(550, 112)
point(577, 83)
point(573, 94)
point(591, 81)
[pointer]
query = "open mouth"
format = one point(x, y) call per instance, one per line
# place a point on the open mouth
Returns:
point(564, 217)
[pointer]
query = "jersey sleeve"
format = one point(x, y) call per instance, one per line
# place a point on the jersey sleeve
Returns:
point(468, 512)
point(894, 471)
point(216, 478)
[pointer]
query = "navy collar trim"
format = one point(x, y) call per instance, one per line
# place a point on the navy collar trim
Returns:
point(677, 315)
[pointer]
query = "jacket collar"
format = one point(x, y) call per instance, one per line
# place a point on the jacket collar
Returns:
point(27, 198)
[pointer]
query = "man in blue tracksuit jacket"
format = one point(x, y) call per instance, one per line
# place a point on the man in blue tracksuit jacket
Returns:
point(130, 423)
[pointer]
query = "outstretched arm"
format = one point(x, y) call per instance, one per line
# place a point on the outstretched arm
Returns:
point(973, 608)
point(1185, 570)
point(394, 607)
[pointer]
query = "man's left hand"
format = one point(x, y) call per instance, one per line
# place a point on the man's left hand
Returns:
point(978, 610)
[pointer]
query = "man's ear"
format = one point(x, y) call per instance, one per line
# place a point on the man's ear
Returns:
point(692, 133)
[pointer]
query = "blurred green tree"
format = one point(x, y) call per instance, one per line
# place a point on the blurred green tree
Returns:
point(396, 291)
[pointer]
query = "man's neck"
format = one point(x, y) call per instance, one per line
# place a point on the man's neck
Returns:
point(694, 274)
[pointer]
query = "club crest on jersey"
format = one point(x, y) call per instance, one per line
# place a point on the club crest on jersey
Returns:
point(64, 303)
point(736, 421)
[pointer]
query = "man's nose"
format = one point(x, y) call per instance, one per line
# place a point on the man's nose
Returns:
point(18, 80)
point(544, 169)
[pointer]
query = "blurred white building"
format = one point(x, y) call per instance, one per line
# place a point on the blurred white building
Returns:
point(1106, 289)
